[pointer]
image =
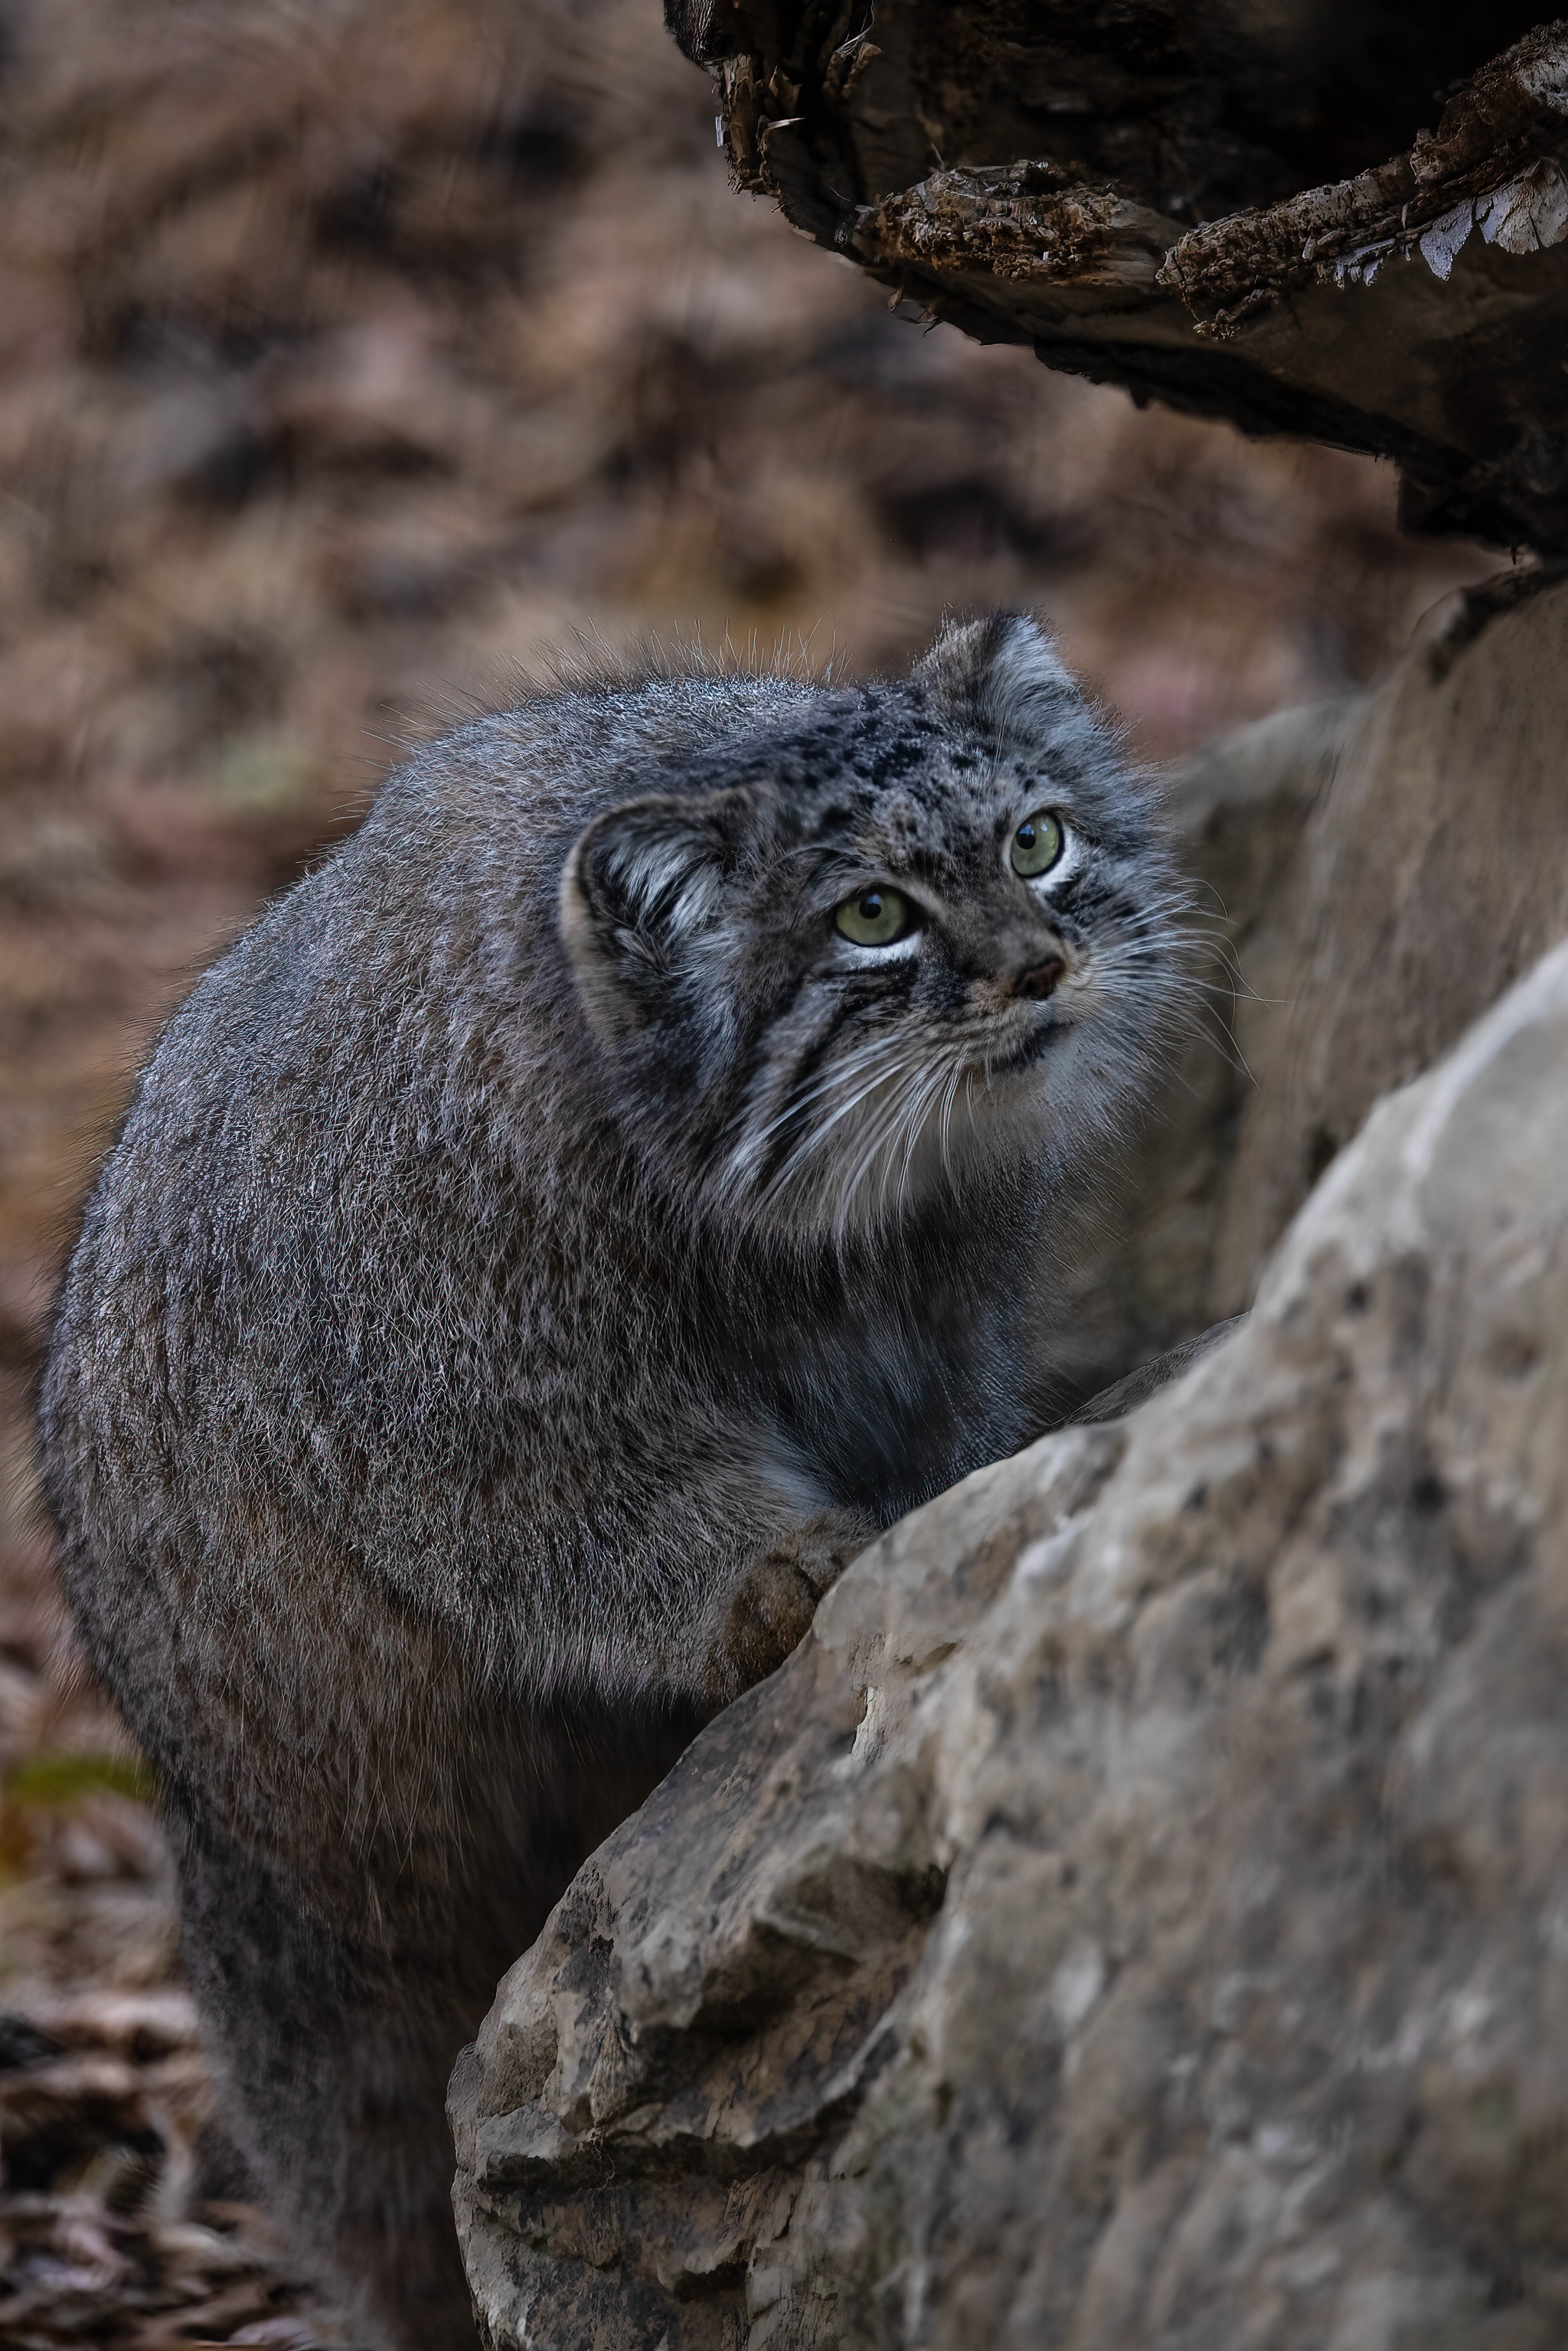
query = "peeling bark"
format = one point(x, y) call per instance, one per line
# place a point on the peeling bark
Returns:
point(1415, 308)
point(1493, 164)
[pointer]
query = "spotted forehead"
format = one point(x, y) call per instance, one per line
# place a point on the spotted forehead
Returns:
point(898, 771)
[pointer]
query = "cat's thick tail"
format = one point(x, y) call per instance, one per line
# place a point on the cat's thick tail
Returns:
point(335, 2067)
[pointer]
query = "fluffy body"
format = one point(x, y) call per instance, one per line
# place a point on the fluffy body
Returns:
point(536, 1256)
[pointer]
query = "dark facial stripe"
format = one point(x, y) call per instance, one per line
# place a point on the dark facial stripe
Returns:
point(808, 1069)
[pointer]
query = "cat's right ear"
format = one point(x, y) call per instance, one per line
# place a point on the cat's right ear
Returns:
point(1003, 669)
point(642, 890)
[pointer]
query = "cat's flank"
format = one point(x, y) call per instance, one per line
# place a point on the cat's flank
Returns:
point(566, 1227)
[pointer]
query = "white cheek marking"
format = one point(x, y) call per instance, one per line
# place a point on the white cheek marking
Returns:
point(1071, 856)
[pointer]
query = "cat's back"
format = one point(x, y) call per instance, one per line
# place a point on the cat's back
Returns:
point(412, 987)
point(330, 1179)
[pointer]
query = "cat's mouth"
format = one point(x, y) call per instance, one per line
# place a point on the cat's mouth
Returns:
point(1024, 1027)
point(1024, 1051)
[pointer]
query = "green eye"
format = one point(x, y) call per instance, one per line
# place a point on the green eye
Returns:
point(1038, 844)
point(874, 919)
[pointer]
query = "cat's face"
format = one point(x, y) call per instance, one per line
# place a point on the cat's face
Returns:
point(931, 926)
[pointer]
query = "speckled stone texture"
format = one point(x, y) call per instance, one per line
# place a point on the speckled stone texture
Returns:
point(1137, 1916)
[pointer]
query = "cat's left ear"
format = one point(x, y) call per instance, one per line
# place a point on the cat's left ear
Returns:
point(644, 888)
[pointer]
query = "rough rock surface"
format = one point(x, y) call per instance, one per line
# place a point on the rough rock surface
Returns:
point(1138, 1914)
point(1381, 867)
point(1195, 202)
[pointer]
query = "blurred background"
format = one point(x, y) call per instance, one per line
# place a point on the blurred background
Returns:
point(354, 353)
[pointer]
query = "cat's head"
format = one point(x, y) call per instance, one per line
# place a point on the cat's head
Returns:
point(924, 930)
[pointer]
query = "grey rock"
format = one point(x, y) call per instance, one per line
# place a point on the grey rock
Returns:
point(1137, 1916)
point(1124, 1396)
point(1380, 868)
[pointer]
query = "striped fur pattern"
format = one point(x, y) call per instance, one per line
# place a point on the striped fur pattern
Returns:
point(538, 1254)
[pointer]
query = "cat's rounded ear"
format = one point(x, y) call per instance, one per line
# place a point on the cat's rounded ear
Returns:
point(644, 884)
point(1003, 670)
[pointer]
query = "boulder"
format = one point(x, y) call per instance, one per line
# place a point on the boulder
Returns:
point(1137, 1914)
point(1375, 871)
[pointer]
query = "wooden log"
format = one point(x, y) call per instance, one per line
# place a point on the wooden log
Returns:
point(1199, 204)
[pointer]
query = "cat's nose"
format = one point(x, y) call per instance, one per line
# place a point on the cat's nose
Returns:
point(1038, 982)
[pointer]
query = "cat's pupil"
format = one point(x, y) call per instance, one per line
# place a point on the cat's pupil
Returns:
point(1026, 834)
point(870, 904)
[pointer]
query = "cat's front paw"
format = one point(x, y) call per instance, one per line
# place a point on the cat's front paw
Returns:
point(768, 1612)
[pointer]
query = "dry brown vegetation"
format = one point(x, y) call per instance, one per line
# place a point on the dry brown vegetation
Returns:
point(350, 353)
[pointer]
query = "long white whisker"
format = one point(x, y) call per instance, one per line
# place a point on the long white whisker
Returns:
point(911, 1128)
point(745, 1155)
point(818, 1134)
point(911, 1077)
point(948, 1098)
point(886, 1078)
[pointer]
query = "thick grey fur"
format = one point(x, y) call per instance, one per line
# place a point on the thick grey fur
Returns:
point(537, 1258)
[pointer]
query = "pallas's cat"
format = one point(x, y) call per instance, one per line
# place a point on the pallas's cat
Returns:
point(574, 1218)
